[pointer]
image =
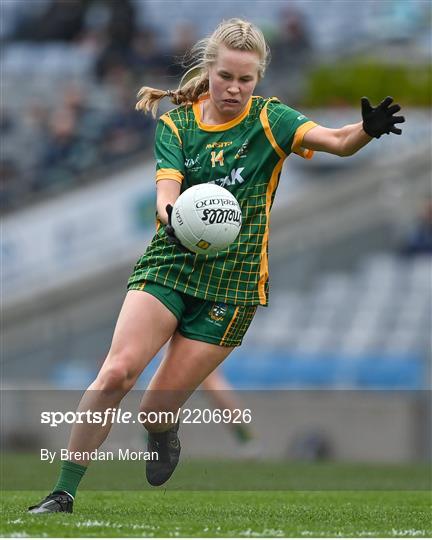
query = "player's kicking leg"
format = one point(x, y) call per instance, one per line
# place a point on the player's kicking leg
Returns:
point(131, 350)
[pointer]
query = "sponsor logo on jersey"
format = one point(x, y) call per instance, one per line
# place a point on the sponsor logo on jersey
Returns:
point(233, 178)
point(218, 312)
point(242, 151)
point(193, 164)
point(301, 117)
point(219, 144)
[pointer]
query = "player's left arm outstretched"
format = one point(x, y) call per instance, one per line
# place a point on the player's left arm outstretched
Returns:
point(349, 139)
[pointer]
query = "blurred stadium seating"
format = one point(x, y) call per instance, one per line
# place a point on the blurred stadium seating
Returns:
point(370, 328)
point(71, 69)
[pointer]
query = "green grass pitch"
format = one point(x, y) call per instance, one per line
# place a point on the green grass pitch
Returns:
point(220, 499)
point(224, 513)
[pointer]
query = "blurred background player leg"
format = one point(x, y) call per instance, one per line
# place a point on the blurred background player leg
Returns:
point(224, 396)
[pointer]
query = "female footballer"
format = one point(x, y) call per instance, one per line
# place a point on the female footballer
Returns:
point(221, 133)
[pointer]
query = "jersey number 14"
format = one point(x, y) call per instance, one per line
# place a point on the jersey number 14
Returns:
point(217, 158)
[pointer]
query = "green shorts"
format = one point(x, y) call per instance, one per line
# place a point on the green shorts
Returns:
point(203, 320)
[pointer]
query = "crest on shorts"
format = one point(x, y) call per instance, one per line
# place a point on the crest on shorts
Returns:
point(218, 312)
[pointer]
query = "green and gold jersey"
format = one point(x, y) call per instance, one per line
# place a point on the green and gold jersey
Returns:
point(244, 156)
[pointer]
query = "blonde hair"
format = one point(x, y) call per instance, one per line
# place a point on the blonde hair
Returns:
point(235, 34)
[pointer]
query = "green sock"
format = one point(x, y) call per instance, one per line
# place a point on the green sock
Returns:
point(70, 476)
point(242, 433)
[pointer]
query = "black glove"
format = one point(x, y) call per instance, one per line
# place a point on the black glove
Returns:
point(170, 233)
point(380, 120)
